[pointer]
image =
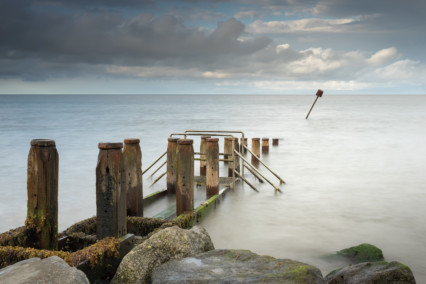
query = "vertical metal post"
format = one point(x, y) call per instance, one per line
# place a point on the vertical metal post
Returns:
point(185, 176)
point(42, 190)
point(133, 172)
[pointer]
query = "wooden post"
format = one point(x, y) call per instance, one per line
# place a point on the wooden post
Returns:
point(275, 141)
point(110, 191)
point(202, 151)
point(255, 148)
point(42, 190)
point(236, 158)
point(228, 155)
point(185, 176)
point(171, 165)
point(265, 145)
point(243, 142)
point(227, 148)
point(212, 167)
point(134, 185)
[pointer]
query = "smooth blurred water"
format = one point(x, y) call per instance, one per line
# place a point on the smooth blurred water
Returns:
point(355, 170)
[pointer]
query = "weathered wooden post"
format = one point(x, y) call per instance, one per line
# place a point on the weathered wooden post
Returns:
point(185, 176)
point(110, 191)
point(265, 145)
point(243, 142)
point(202, 155)
point(275, 141)
point(255, 148)
point(171, 165)
point(42, 190)
point(133, 172)
point(227, 148)
point(212, 167)
point(236, 158)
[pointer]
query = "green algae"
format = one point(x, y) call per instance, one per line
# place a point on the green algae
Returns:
point(363, 253)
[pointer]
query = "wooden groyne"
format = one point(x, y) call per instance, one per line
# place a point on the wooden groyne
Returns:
point(102, 241)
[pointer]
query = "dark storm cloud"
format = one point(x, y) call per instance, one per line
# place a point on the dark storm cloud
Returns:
point(110, 38)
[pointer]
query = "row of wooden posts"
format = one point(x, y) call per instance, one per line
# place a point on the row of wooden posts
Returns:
point(119, 188)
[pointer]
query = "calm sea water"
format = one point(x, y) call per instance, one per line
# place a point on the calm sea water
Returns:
point(355, 171)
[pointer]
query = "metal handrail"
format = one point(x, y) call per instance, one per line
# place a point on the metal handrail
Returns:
point(199, 133)
point(277, 176)
point(165, 162)
point(154, 163)
point(275, 187)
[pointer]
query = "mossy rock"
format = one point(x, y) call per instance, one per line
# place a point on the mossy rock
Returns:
point(362, 253)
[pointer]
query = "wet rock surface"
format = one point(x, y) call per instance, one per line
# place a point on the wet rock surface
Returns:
point(170, 243)
point(372, 272)
point(235, 266)
point(362, 253)
point(34, 270)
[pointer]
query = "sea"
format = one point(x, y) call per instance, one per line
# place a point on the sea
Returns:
point(355, 171)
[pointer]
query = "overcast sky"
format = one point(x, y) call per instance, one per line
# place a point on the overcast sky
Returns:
point(212, 47)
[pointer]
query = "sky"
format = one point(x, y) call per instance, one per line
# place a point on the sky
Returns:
point(212, 47)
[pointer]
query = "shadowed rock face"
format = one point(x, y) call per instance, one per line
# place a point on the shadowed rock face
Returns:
point(168, 244)
point(372, 272)
point(235, 266)
point(50, 270)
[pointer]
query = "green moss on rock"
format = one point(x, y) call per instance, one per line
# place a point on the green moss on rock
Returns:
point(363, 253)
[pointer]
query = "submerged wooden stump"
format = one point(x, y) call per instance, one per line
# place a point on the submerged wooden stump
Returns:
point(227, 148)
point(171, 165)
point(265, 145)
point(212, 167)
point(243, 141)
point(110, 191)
point(133, 172)
point(255, 148)
point(202, 155)
point(275, 141)
point(42, 190)
point(185, 176)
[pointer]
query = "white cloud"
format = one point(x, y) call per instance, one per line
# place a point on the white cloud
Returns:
point(402, 70)
point(280, 48)
point(383, 56)
point(303, 25)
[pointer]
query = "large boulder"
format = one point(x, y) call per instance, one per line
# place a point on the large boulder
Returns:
point(380, 272)
point(362, 253)
point(35, 270)
point(235, 266)
point(167, 244)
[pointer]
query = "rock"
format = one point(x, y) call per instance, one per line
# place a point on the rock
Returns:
point(372, 272)
point(362, 253)
point(235, 266)
point(49, 270)
point(167, 244)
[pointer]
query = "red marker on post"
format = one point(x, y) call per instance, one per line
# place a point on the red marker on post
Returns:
point(318, 94)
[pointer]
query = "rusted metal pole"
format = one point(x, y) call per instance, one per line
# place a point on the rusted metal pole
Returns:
point(42, 190)
point(265, 145)
point(202, 155)
point(185, 176)
point(275, 141)
point(212, 167)
point(133, 172)
point(255, 148)
point(171, 165)
point(110, 191)
point(318, 94)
